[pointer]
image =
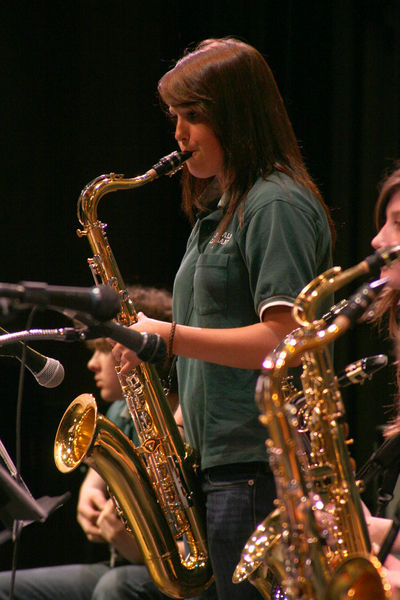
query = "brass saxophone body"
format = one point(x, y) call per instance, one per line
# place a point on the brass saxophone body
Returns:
point(316, 544)
point(155, 485)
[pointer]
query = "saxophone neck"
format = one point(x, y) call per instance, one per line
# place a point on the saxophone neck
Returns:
point(309, 300)
point(92, 193)
point(99, 187)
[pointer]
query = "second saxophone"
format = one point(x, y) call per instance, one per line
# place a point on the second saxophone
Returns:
point(315, 546)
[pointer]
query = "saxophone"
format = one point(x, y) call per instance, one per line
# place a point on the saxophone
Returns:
point(154, 485)
point(315, 545)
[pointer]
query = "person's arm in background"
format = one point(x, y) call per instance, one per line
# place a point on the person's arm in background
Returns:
point(97, 516)
point(179, 421)
point(91, 501)
point(113, 530)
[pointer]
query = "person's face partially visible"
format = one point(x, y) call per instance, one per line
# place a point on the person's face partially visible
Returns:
point(195, 136)
point(390, 234)
point(102, 364)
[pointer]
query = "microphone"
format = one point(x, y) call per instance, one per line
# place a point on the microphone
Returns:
point(48, 372)
point(102, 302)
point(150, 347)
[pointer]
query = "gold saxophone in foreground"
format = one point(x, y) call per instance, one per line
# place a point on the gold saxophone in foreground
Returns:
point(315, 545)
point(154, 485)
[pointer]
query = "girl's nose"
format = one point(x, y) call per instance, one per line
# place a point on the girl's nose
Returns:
point(377, 242)
point(181, 130)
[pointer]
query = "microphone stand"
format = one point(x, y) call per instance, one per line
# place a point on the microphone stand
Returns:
point(385, 460)
point(62, 334)
point(148, 346)
point(385, 492)
point(390, 536)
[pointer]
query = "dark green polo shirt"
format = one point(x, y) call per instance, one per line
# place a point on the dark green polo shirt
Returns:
point(118, 413)
point(283, 244)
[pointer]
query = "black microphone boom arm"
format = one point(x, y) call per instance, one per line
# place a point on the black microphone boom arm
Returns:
point(149, 347)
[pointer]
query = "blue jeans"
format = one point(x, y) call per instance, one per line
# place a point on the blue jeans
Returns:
point(84, 582)
point(65, 582)
point(238, 498)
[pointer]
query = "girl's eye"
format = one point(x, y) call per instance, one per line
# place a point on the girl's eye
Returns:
point(192, 116)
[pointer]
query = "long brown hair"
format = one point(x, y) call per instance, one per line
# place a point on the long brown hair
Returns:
point(389, 299)
point(233, 89)
point(388, 302)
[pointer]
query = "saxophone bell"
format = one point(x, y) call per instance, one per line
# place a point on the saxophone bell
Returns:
point(85, 436)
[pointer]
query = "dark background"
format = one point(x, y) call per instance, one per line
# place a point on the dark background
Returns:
point(79, 99)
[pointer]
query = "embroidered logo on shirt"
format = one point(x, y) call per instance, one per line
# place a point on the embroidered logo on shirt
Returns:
point(224, 239)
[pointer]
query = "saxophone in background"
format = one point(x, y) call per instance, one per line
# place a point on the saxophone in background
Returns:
point(153, 485)
point(315, 545)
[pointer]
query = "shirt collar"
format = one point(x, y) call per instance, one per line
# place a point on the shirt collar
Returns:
point(223, 201)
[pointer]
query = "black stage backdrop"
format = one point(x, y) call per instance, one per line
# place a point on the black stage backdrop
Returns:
point(79, 99)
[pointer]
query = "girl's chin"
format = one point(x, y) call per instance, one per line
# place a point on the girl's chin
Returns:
point(200, 174)
point(394, 281)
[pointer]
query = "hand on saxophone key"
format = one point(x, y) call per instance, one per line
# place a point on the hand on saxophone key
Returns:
point(128, 359)
point(115, 533)
point(92, 500)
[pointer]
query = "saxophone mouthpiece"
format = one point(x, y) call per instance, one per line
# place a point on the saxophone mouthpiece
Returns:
point(170, 164)
point(358, 303)
point(382, 258)
point(362, 369)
